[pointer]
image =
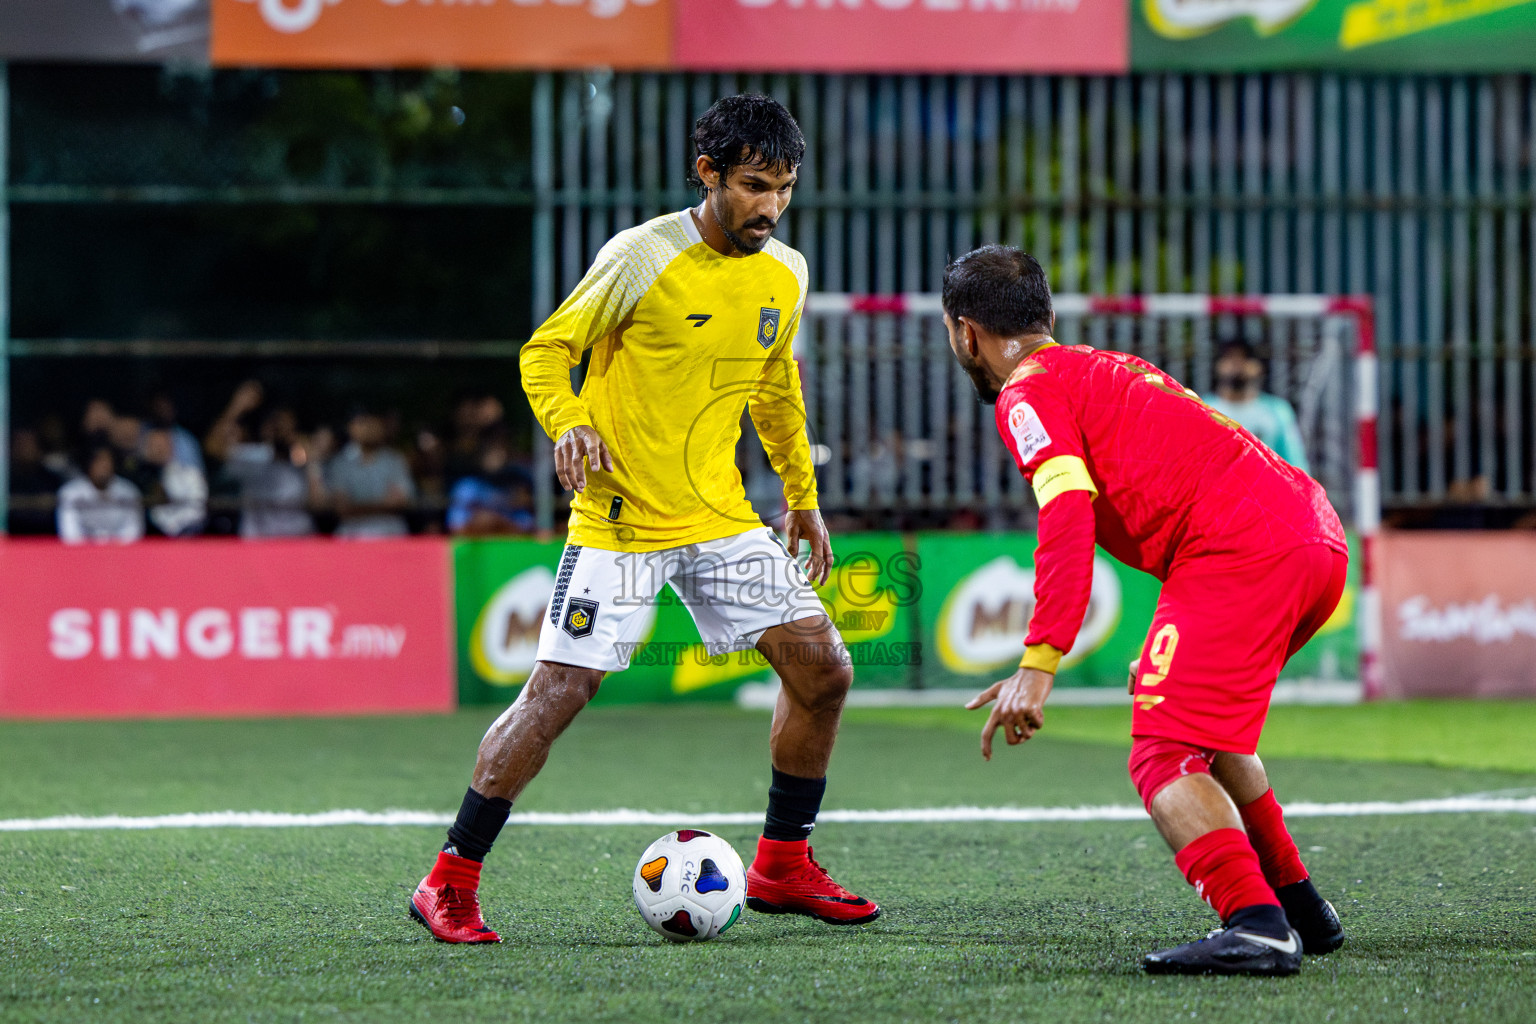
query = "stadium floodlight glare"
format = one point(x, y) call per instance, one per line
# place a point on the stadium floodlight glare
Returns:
point(1347, 312)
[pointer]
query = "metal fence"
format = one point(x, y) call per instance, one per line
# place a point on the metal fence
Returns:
point(1419, 191)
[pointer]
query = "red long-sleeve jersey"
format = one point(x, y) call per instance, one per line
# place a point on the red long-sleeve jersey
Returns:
point(1121, 454)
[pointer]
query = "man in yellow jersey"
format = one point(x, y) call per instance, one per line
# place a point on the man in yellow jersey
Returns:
point(690, 318)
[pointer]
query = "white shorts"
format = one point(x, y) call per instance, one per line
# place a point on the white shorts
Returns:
point(604, 602)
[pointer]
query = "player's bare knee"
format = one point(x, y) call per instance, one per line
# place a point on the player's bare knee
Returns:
point(823, 688)
point(560, 687)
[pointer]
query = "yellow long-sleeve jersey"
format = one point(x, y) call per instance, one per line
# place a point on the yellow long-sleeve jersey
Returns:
point(683, 339)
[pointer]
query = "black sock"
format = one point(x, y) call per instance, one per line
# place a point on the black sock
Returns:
point(1265, 918)
point(477, 826)
point(1300, 896)
point(792, 806)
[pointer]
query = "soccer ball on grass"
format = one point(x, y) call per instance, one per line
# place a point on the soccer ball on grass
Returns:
point(690, 885)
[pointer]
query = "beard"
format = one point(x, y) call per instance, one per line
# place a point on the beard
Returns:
point(986, 391)
point(741, 241)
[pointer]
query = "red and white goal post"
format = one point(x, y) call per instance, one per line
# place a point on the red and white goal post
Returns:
point(1332, 313)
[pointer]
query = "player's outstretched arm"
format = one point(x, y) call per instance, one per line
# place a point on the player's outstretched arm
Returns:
point(1020, 707)
point(807, 523)
point(577, 449)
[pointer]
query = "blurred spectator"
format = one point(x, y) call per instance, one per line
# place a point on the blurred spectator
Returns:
point(162, 415)
point(54, 437)
point(96, 422)
point(370, 484)
point(100, 507)
point(33, 487)
point(278, 472)
point(475, 417)
point(175, 493)
point(1268, 417)
point(496, 500)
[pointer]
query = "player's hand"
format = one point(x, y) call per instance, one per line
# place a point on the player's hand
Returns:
point(807, 523)
point(1020, 708)
point(1130, 682)
point(576, 449)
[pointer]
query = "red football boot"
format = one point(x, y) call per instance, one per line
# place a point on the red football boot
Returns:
point(447, 901)
point(785, 879)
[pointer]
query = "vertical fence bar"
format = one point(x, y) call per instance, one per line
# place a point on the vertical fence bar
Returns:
point(1123, 247)
point(1434, 286)
point(1201, 165)
point(860, 449)
point(623, 132)
point(1251, 133)
point(5, 300)
point(1279, 258)
point(1070, 136)
point(650, 148)
point(1461, 286)
point(1098, 195)
point(570, 182)
point(939, 370)
point(1175, 217)
point(1148, 193)
point(1387, 337)
point(1509, 195)
point(1040, 244)
point(543, 274)
point(1015, 156)
point(832, 181)
point(1486, 135)
point(920, 441)
point(963, 167)
point(887, 280)
point(1409, 331)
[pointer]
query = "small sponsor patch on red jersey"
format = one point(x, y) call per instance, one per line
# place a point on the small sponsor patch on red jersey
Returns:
point(1029, 435)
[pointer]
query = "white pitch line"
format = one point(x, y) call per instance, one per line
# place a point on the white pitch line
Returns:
point(624, 816)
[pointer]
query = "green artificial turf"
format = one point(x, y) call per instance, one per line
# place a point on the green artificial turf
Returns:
point(1451, 733)
point(983, 922)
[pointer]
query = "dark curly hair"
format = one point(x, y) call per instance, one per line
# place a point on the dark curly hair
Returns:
point(1000, 287)
point(751, 130)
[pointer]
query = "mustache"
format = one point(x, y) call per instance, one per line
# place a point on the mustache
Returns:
point(760, 222)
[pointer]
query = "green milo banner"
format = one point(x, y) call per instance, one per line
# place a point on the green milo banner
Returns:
point(1360, 35)
point(931, 610)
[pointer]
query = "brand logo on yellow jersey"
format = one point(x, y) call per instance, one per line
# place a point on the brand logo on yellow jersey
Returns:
point(768, 327)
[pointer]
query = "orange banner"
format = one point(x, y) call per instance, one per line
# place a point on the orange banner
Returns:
point(1458, 614)
point(624, 34)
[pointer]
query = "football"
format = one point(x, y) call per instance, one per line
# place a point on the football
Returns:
point(690, 885)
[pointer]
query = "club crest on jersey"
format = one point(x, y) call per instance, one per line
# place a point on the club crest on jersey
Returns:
point(580, 617)
point(767, 327)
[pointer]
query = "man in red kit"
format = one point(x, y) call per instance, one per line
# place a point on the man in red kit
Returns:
point(1252, 559)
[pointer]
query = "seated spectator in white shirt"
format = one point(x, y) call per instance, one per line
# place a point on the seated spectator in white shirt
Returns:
point(100, 507)
point(370, 483)
point(175, 493)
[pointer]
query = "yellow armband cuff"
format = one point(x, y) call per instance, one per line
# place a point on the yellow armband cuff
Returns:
point(1041, 656)
point(1059, 475)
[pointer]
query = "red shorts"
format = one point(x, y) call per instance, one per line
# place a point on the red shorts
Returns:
point(1220, 636)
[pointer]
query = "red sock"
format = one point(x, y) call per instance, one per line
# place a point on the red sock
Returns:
point(459, 872)
point(773, 854)
point(1225, 872)
point(1271, 840)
